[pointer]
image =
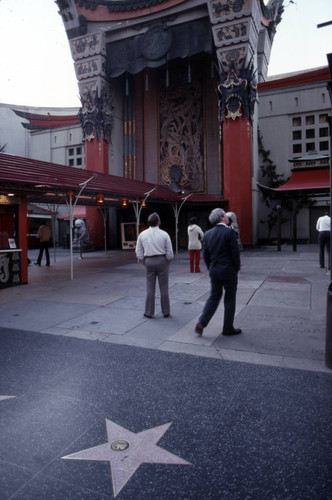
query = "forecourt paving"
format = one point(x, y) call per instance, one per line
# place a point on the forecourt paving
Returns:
point(97, 402)
point(281, 306)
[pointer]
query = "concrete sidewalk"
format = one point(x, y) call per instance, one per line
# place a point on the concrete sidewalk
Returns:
point(281, 306)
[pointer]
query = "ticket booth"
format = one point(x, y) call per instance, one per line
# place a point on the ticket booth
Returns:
point(13, 248)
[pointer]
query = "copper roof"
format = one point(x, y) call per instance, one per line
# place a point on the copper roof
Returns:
point(46, 182)
point(41, 180)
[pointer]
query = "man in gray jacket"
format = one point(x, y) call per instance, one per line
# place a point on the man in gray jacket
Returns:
point(222, 258)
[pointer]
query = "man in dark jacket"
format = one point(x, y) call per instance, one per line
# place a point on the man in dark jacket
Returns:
point(222, 258)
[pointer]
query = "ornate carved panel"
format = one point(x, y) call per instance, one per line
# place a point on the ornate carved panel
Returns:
point(182, 137)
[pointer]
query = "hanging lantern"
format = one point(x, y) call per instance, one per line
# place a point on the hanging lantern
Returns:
point(124, 202)
point(143, 204)
point(70, 195)
point(100, 199)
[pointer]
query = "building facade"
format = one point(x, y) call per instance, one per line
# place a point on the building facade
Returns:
point(168, 92)
point(293, 124)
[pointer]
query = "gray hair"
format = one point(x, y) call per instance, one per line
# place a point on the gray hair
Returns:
point(153, 219)
point(216, 215)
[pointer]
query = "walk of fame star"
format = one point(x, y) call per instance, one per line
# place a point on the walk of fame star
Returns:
point(126, 451)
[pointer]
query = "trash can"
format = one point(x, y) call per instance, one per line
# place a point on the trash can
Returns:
point(328, 350)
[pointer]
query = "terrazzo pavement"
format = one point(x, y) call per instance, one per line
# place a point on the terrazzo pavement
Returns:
point(245, 417)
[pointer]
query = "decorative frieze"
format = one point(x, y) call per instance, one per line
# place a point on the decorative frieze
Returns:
point(90, 67)
point(239, 56)
point(97, 115)
point(235, 32)
point(87, 46)
point(237, 91)
point(227, 10)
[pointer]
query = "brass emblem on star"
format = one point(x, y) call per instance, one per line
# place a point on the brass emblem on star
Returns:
point(120, 445)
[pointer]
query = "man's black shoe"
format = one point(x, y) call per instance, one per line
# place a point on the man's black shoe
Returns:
point(147, 316)
point(36, 264)
point(235, 331)
point(166, 315)
point(199, 329)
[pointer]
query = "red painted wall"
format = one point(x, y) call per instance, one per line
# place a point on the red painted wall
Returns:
point(237, 142)
point(23, 238)
point(96, 159)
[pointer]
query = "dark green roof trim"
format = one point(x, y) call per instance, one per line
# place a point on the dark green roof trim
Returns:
point(119, 5)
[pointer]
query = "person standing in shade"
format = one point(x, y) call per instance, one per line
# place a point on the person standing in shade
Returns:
point(195, 238)
point(154, 250)
point(324, 227)
point(44, 235)
point(222, 257)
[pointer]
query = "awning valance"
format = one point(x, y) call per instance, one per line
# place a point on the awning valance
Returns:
point(139, 52)
point(303, 181)
point(307, 179)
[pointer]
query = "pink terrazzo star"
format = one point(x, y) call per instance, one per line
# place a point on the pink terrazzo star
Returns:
point(126, 451)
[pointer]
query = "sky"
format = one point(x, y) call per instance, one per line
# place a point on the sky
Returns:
point(36, 68)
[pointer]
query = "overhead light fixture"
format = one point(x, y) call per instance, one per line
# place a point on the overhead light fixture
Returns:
point(124, 202)
point(11, 194)
point(70, 195)
point(100, 199)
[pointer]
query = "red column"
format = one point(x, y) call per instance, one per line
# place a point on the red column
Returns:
point(237, 158)
point(23, 238)
point(96, 159)
point(96, 156)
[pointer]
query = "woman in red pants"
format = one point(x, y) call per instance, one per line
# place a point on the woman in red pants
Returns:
point(195, 237)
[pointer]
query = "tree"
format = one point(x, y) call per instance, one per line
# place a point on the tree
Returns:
point(272, 180)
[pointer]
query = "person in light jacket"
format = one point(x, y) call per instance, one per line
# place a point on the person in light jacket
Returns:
point(195, 238)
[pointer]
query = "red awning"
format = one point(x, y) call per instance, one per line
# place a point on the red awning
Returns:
point(307, 180)
point(79, 213)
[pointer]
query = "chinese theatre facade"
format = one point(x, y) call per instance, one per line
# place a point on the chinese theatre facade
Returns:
point(168, 92)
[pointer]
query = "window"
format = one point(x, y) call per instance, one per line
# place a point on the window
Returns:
point(75, 156)
point(310, 147)
point(323, 145)
point(310, 134)
point(323, 132)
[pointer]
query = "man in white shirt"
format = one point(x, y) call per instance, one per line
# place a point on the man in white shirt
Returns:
point(154, 250)
point(324, 227)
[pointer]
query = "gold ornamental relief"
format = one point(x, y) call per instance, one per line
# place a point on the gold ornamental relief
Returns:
point(182, 138)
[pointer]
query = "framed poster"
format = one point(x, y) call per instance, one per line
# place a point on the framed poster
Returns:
point(128, 235)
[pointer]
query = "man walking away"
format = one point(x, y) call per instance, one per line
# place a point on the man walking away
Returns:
point(324, 227)
point(44, 235)
point(154, 250)
point(222, 257)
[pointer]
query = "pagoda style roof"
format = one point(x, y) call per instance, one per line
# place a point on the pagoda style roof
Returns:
point(46, 182)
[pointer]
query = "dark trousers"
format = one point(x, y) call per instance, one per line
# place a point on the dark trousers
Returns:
point(221, 279)
point(195, 257)
point(324, 241)
point(44, 246)
point(156, 267)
